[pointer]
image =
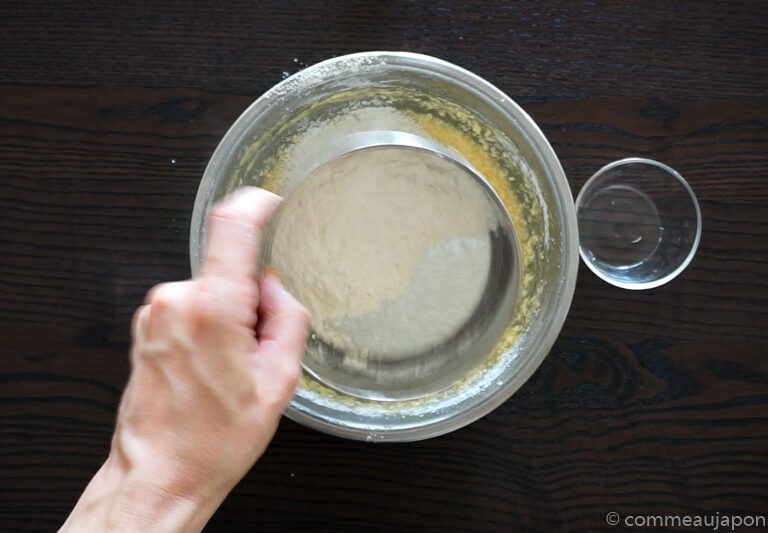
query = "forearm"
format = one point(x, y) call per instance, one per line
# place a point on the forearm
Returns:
point(120, 498)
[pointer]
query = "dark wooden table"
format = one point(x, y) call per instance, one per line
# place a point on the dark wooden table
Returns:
point(651, 403)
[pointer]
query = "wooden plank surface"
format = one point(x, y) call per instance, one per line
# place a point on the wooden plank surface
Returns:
point(650, 403)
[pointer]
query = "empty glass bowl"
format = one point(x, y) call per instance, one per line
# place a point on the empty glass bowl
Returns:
point(639, 223)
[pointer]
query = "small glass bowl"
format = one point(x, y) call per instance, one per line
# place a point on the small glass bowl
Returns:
point(639, 223)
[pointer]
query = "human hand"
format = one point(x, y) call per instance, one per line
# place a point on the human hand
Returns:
point(215, 361)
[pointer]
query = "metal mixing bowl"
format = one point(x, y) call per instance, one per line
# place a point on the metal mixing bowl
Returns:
point(277, 142)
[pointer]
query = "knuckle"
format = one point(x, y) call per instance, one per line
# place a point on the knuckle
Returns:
point(302, 321)
point(138, 322)
point(164, 296)
point(168, 303)
point(294, 314)
point(278, 383)
point(305, 320)
point(300, 311)
point(291, 376)
point(279, 397)
point(286, 380)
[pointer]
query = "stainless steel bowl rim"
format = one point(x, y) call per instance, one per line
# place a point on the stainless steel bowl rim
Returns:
point(442, 420)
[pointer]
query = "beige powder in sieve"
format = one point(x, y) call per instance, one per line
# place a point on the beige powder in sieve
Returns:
point(387, 247)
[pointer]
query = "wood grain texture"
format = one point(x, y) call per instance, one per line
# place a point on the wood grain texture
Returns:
point(650, 402)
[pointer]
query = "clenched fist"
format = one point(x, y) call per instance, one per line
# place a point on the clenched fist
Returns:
point(215, 360)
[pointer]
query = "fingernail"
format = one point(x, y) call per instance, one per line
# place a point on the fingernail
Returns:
point(279, 284)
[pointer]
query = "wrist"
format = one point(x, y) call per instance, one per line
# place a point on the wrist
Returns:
point(122, 497)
